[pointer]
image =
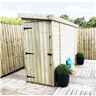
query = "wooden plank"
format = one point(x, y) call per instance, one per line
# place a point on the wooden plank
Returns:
point(4, 51)
point(0, 49)
point(6, 48)
point(13, 47)
point(17, 47)
point(27, 58)
point(18, 64)
point(56, 46)
point(33, 49)
point(40, 50)
point(50, 63)
point(21, 47)
point(37, 51)
point(88, 35)
point(42, 53)
point(3, 63)
point(46, 51)
point(10, 47)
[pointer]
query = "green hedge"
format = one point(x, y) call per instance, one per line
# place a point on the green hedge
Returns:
point(7, 20)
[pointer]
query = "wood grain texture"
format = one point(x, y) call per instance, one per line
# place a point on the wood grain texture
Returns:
point(11, 46)
point(87, 42)
point(47, 44)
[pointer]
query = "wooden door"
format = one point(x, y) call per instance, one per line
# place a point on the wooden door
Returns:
point(29, 51)
point(38, 57)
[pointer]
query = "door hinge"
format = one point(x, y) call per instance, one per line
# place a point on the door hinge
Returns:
point(49, 53)
point(30, 76)
point(27, 53)
point(25, 28)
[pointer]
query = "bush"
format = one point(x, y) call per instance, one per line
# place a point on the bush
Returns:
point(12, 21)
point(80, 58)
point(61, 75)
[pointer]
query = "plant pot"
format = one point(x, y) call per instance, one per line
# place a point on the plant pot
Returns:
point(63, 81)
point(61, 76)
point(80, 59)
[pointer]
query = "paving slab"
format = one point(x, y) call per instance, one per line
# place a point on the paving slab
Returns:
point(82, 83)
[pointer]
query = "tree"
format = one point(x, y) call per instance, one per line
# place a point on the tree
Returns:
point(91, 22)
point(80, 21)
point(66, 17)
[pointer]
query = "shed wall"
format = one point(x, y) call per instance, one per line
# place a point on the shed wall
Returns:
point(68, 42)
point(64, 43)
point(56, 43)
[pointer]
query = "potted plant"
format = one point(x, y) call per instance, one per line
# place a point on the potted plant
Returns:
point(61, 75)
point(80, 58)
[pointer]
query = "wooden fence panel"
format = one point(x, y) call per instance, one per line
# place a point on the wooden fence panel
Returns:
point(87, 42)
point(11, 48)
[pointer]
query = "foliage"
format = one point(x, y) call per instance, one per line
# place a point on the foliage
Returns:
point(66, 17)
point(7, 20)
point(61, 75)
point(85, 24)
point(80, 21)
point(92, 22)
point(62, 69)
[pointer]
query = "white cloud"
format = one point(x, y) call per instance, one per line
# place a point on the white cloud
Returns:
point(48, 1)
point(74, 9)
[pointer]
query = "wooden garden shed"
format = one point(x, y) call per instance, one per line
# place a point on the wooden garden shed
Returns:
point(48, 42)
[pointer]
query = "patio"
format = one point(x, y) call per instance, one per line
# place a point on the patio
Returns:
point(82, 83)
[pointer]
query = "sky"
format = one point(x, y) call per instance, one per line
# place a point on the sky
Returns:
point(73, 8)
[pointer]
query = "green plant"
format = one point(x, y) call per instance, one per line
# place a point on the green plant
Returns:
point(80, 58)
point(7, 20)
point(62, 69)
point(61, 75)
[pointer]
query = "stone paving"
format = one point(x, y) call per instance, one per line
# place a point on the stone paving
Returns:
point(15, 84)
point(83, 83)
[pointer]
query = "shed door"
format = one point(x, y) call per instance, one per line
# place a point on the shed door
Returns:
point(38, 56)
point(29, 51)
